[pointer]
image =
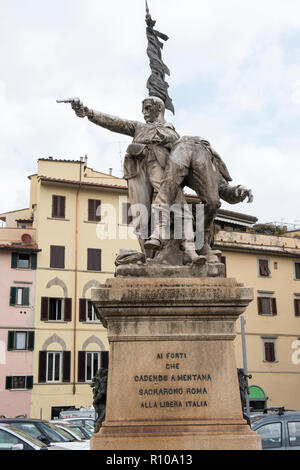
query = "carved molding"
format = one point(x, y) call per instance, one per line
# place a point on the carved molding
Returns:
point(54, 339)
point(93, 339)
point(58, 282)
point(88, 285)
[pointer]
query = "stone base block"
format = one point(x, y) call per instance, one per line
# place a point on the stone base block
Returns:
point(172, 379)
point(206, 437)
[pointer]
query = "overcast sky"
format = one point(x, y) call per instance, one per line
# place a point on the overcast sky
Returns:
point(235, 80)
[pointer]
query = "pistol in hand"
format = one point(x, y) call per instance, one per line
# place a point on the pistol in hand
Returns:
point(77, 105)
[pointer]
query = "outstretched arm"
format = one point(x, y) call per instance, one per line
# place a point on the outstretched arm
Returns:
point(112, 123)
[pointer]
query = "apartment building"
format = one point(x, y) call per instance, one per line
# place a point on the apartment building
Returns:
point(271, 266)
point(18, 260)
point(81, 219)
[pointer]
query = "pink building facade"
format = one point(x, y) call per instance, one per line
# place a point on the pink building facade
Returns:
point(18, 256)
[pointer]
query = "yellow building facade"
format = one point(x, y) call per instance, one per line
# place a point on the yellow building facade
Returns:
point(69, 207)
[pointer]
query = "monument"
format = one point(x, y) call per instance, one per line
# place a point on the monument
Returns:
point(170, 312)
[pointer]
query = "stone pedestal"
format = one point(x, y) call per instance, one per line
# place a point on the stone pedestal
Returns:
point(172, 380)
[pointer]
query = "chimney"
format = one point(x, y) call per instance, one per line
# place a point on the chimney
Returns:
point(110, 171)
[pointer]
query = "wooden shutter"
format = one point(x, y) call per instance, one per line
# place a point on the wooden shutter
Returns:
point(82, 310)
point(58, 206)
point(297, 270)
point(94, 259)
point(42, 366)
point(8, 383)
point(297, 307)
point(93, 205)
point(54, 206)
point(14, 260)
point(274, 306)
point(26, 293)
point(57, 257)
point(81, 366)
point(29, 382)
point(66, 366)
point(44, 308)
point(11, 341)
point(264, 267)
point(13, 296)
point(62, 206)
point(30, 341)
point(68, 309)
point(104, 359)
point(270, 352)
point(33, 263)
point(259, 305)
point(126, 213)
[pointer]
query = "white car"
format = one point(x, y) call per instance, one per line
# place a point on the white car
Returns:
point(48, 433)
point(73, 433)
point(12, 438)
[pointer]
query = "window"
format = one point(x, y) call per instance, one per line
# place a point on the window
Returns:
point(264, 267)
point(294, 433)
point(53, 367)
point(19, 296)
point(56, 309)
point(86, 311)
point(21, 382)
point(23, 261)
point(8, 440)
point(297, 306)
point(92, 365)
point(20, 341)
point(269, 350)
point(270, 435)
point(58, 207)
point(89, 363)
point(93, 259)
point(94, 210)
point(57, 257)
point(266, 305)
point(297, 271)
point(126, 213)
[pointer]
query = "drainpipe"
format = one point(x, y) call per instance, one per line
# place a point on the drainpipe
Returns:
point(76, 278)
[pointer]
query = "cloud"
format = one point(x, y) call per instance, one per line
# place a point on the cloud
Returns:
point(234, 80)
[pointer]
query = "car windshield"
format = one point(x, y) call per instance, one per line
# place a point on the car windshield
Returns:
point(73, 433)
point(58, 434)
point(37, 431)
point(80, 430)
point(22, 434)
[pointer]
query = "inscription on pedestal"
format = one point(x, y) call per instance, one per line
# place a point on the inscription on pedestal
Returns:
point(174, 388)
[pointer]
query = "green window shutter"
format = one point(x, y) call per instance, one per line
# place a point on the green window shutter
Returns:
point(30, 341)
point(8, 384)
point(29, 382)
point(11, 341)
point(26, 296)
point(14, 260)
point(33, 261)
point(13, 296)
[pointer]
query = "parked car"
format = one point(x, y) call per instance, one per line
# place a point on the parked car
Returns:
point(88, 423)
point(12, 438)
point(279, 429)
point(47, 433)
point(87, 412)
point(77, 429)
